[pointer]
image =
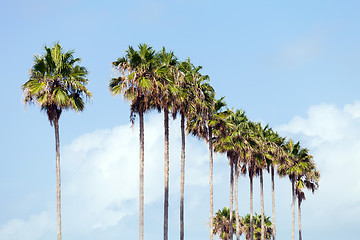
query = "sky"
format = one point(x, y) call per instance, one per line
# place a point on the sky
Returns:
point(292, 65)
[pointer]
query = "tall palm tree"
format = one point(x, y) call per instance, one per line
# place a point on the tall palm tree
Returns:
point(260, 157)
point(166, 74)
point(135, 81)
point(295, 164)
point(310, 180)
point(203, 109)
point(276, 152)
point(268, 149)
point(57, 83)
point(185, 77)
point(229, 138)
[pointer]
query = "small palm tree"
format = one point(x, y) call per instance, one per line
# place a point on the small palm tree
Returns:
point(221, 224)
point(57, 83)
point(256, 231)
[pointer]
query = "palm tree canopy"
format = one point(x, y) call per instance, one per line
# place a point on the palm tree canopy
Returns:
point(56, 82)
point(135, 79)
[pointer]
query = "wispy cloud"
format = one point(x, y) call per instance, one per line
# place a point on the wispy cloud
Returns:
point(303, 50)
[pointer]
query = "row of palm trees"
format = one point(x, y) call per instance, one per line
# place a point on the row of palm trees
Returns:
point(156, 80)
point(152, 80)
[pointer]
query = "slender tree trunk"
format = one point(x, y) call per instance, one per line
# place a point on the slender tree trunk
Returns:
point(273, 202)
point(166, 171)
point(293, 208)
point(182, 177)
point(251, 208)
point(58, 179)
point(262, 205)
point(141, 178)
point(231, 197)
point(236, 203)
point(211, 182)
point(299, 211)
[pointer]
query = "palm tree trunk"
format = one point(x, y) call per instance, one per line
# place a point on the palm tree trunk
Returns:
point(237, 204)
point(262, 205)
point(58, 178)
point(211, 182)
point(251, 208)
point(231, 197)
point(299, 211)
point(182, 177)
point(293, 208)
point(273, 202)
point(166, 170)
point(141, 178)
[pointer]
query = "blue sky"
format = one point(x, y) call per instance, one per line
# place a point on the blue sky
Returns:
point(292, 65)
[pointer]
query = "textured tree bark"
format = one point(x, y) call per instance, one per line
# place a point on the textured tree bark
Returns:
point(58, 179)
point(211, 182)
point(251, 208)
point(231, 197)
point(182, 184)
point(262, 205)
point(299, 210)
point(141, 178)
point(166, 171)
point(293, 208)
point(273, 202)
point(236, 203)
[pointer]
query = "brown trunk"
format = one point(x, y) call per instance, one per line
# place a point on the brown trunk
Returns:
point(182, 177)
point(58, 179)
point(166, 173)
point(262, 205)
point(251, 208)
point(211, 182)
point(236, 203)
point(293, 208)
point(299, 211)
point(141, 178)
point(273, 202)
point(231, 198)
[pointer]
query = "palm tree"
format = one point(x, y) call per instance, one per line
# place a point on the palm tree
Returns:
point(56, 83)
point(260, 157)
point(230, 138)
point(166, 74)
point(310, 180)
point(185, 77)
point(256, 231)
point(203, 109)
point(276, 152)
point(295, 164)
point(221, 224)
point(136, 81)
point(268, 149)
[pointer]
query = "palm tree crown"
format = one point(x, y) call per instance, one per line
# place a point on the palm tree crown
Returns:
point(56, 82)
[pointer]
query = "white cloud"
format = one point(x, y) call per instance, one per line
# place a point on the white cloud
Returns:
point(100, 178)
point(101, 172)
point(36, 227)
point(332, 135)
